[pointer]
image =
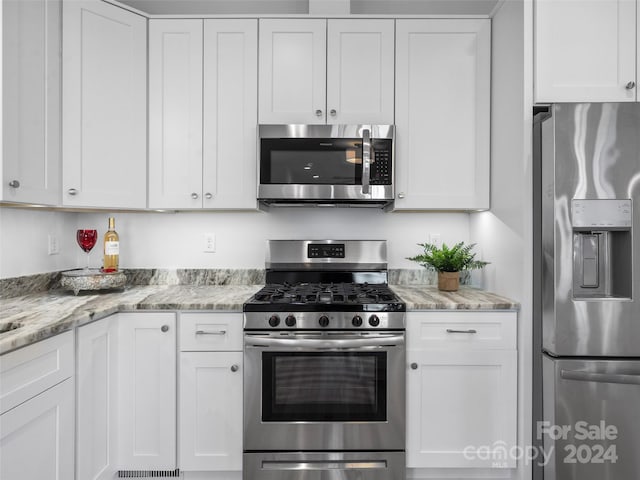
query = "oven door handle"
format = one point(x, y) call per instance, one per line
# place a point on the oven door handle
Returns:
point(324, 344)
point(330, 465)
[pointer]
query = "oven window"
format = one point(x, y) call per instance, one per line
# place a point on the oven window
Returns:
point(324, 386)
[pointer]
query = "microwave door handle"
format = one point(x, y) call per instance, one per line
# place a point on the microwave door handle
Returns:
point(366, 160)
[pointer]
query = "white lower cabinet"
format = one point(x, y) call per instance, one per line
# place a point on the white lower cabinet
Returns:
point(36, 425)
point(147, 391)
point(461, 389)
point(96, 378)
point(210, 393)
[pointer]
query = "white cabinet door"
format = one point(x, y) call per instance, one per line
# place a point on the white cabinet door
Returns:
point(585, 51)
point(210, 411)
point(31, 101)
point(360, 71)
point(442, 114)
point(37, 437)
point(175, 113)
point(96, 400)
point(457, 402)
point(147, 391)
point(292, 69)
point(230, 113)
point(104, 106)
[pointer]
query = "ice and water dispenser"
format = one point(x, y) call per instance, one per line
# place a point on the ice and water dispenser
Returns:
point(602, 249)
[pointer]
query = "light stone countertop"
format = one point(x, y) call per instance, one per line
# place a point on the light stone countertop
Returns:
point(42, 315)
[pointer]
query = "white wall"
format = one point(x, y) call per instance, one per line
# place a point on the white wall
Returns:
point(505, 233)
point(175, 240)
point(24, 242)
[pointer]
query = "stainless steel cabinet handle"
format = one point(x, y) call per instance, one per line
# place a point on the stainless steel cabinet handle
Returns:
point(333, 112)
point(318, 113)
point(471, 330)
point(414, 366)
point(194, 195)
point(401, 195)
point(366, 160)
point(330, 465)
point(234, 368)
point(14, 184)
point(581, 376)
point(208, 196)
point(164, 328)
point(630, 86)
point(72, 191)
point(217, 332)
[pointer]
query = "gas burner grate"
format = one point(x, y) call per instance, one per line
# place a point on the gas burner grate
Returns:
point(321, 293)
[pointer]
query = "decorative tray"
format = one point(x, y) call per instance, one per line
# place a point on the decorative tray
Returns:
point(92, 279)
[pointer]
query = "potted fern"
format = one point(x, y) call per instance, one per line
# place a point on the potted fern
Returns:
point(448, 262)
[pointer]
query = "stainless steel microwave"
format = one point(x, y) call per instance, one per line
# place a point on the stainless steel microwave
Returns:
point(335, 165)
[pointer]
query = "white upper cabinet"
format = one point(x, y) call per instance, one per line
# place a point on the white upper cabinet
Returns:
point(202, 113)
point(292, 71)
point(230, 113)
point(360, 66)
point(31, 33)
point(443, 114)
point(585, 51)
point(175, 113)
point(326, 71)
point(104, 106)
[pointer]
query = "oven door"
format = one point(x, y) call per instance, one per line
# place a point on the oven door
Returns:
point(324, 391)
point(307, 163)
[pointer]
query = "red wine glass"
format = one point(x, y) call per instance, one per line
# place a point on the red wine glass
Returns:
point(87, 240)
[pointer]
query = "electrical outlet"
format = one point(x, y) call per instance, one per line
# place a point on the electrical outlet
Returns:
point(209, 243)
point(435, 239)
point(53, 247)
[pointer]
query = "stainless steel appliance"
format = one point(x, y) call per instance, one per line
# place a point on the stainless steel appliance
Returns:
point(339, 165)
point(586, 296)
point(324, 370)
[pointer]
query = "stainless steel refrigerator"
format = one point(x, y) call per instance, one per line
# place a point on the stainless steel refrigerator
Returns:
point(587, 292)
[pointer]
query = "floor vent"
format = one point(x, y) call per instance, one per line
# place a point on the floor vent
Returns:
point(148, 473)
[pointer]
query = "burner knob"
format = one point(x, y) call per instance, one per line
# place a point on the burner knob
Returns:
point(274, 320)
point(356, 321)
point(323, 321)
point(374, 321)
point(290, 320)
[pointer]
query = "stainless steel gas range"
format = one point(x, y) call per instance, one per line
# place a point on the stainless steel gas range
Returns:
point(324, 375)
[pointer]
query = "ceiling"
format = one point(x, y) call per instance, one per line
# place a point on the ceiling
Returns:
point(302, 7)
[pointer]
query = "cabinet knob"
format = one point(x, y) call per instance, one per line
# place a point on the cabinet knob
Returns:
point(194, 195)
point(333, 112)
point(208, 196)
point(72, 191)
point(14, 184)
point(234, 368)
point(401, 195)
point(630, 86)
point(318, 113)
point(414, 366)
point(164, 328)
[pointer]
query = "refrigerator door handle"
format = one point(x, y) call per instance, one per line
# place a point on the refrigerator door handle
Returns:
point(582, 376)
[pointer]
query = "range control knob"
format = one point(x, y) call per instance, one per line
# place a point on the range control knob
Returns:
point(374, 321)
point(274, 320)
point(323, 321)
point(290, 321)
point(356, 321)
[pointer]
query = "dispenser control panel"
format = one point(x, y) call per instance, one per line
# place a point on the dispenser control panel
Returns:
point(604, 214)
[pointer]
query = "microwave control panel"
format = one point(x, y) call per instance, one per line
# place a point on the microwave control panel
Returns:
point(381, 167)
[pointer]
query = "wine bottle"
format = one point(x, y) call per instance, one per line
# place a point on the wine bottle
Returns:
point(111, 248)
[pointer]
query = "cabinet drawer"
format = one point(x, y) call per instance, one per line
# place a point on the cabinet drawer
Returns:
point(202, 332)
point(465, 330)
point(31, 370)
